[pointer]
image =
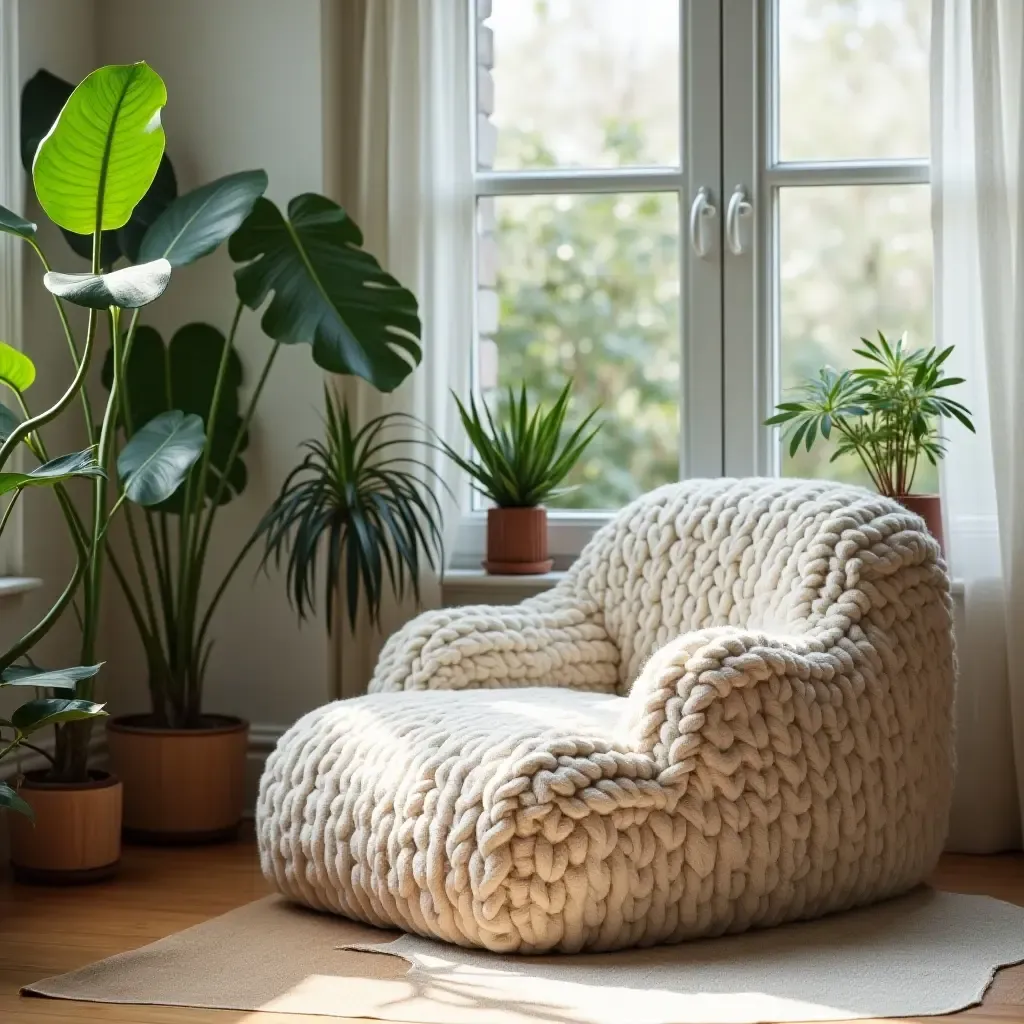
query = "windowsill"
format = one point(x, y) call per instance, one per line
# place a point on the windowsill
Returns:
point(12, 586)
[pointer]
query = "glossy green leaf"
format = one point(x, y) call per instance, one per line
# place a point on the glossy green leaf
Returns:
point(102, 153)
point(197, 222)
point(42, 100)
point(327, 290)
point(10, 800)
point(155, 462)
point(37, 714)
point(12, 224)
point(128, 288)
point(8, 422)
point(63, 468)
point(182, 375)
point(17, 371)
point(55, 678)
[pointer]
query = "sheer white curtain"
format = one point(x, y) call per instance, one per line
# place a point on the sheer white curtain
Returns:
point(977, 49)
point(397, 154)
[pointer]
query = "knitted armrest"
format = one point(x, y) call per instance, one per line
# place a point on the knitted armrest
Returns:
point(670, 713)
point(536, 643)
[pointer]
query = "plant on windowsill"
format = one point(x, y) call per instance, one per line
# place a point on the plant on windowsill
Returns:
point(183, 768)
point(522, 458)
point(361, 508)
point(888, 413)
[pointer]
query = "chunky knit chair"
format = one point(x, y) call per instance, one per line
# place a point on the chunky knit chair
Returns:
point(735, 711)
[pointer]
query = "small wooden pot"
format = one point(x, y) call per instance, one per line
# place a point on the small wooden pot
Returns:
point(517, 541)
point(929, 508)
point(180, 785)
point(76, 835)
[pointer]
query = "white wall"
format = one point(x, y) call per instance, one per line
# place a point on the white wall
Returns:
point(243, 80)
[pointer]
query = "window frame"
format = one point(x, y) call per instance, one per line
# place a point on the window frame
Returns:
point(730, 341)
point(752, 327)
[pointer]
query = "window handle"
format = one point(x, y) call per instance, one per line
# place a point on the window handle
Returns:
point(701, 210)
point(739, 206)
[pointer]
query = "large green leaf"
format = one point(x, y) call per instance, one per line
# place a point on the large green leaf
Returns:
point(128, 288)
point(155, 462)
point(182, 376)
point(42, 100)
point(12, 224)
point(54, 678)
point(63, 468)
point(17, 371)
point(9, 799)
point(327, 290)
point(197, 222)
point(37, 714)
point(102, 153)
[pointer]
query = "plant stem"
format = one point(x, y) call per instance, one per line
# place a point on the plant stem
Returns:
point(90, 428)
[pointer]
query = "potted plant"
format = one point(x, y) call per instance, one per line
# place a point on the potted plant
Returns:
point(362, 498)
point(182, 767)
point(92, 170)
point(888, 413)
point(521, 460)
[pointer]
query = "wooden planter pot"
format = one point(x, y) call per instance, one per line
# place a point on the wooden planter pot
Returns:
point(517, 541)
point(76, 835)
point(180, 785)
point(929, 508)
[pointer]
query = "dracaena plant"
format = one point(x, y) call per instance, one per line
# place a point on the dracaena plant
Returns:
point(324, 290)
point(522, 455)
point(361, 506)
point(888, 412)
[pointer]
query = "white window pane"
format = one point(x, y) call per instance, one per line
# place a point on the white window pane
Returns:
point(853, 260)
point(578, 83)
point(588, 289)
point(853, 79)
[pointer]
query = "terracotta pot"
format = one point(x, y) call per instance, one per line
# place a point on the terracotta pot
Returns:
point(517, 541)
point(76, 835)
point(929, 508)
point(180, 785)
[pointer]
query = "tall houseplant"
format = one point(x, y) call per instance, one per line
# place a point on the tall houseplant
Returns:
point(522, 459)
point(888, 413)
point(182, 766)
point(90, 170)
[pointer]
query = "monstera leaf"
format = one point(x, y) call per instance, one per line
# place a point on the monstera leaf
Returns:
point(327, 290)
point(197, 222)
point(53, 679)
point(127, 288)
point(102, 153)
point(17, 371)
point(182, 376)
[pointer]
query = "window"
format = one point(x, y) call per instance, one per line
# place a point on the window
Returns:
point(685, 207)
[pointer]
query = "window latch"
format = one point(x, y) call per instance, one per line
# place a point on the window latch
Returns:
point(701, 211)
point(739, 207)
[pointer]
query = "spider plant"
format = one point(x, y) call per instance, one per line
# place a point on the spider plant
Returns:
point(363, 500)
point(522, 457)
point(888, 413)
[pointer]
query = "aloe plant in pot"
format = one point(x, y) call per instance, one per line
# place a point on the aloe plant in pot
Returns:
point(182, 766)
point(522, 459)
point(888, 413)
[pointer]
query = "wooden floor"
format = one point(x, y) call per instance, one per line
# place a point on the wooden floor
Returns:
point(160, 891)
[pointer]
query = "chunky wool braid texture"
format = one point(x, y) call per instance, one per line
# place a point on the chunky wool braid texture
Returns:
point(735, 711)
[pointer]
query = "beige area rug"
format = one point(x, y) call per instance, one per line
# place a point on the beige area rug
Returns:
point(926, 953)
